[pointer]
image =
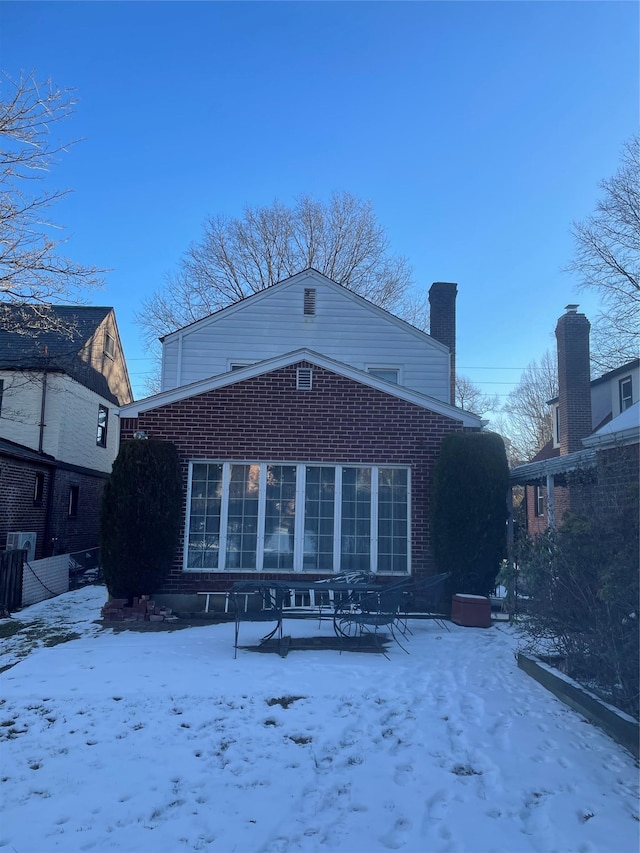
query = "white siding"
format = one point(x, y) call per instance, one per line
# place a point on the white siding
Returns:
point(20, 413)
point(71, 419)
point(342, 328)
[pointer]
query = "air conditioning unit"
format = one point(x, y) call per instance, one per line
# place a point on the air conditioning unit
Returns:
point(19, 540)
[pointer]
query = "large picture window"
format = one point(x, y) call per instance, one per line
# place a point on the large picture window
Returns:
point(258, 516)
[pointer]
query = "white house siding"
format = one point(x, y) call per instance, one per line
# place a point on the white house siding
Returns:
point(342, 328)
point(20, 412)
point(71, 419)
point(605, 394)
point(78, 429)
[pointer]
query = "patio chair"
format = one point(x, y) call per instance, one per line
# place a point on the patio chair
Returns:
point(428, 597)
point(367, 613)
point(270, 610)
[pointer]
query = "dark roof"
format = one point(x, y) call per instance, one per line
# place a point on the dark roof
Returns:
point(19, 450)
point(34, 337)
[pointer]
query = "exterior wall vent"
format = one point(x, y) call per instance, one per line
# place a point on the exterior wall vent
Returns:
point(304, 378)
point(309, 301)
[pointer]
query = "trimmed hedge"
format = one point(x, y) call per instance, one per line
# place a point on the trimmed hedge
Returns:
point(469, 510)
point(140, 519)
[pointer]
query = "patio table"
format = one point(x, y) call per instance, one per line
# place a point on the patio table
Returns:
point(341, 595)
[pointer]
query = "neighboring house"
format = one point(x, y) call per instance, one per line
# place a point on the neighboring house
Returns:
point(307, 421)
point(596, 427)
point(62, 379)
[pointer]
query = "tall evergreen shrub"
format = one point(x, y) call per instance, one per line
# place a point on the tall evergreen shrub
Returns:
point(140, 519)
point(469, 510)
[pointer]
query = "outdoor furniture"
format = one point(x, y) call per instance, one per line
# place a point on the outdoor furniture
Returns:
point(428, 597)
point(471, 611)
point(367, 612)
point(270, 602)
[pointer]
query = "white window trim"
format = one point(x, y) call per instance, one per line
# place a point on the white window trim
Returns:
point(621, 383)
point(299, 516)
point(396, 367)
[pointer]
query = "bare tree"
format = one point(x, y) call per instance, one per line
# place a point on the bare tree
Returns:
point(238, 257)
point(607, 260)
point(530, 419)
point(472, 398)
point(32, 266)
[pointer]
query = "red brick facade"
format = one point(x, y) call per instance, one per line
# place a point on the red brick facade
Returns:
point(48, 516)
point(17, 492)
point(266, 419)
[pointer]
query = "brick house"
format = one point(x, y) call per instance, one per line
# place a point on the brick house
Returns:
point(596, 432)
point(62, 378)
point(307, 421)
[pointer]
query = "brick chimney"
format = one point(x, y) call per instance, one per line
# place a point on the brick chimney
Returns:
point(442, 323)
point(574, 380)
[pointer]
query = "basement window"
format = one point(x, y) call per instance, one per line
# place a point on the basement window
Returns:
point(309, 301)
point(304, 378)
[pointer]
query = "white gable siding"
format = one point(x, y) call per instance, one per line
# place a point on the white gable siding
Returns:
point(71, 419)
point(342, 328)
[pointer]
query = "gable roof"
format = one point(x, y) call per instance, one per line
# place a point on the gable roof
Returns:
point(308, 277)
point(623, 429)
point(184, 392)
point(52, 337)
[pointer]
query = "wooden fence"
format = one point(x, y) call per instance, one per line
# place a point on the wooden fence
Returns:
point(11, 569)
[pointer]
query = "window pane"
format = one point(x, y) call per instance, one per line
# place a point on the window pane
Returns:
point(355, 545)
point(392, 520)
point(204, 517)
point(279, 523)
point(242, 524)
point(318, 519)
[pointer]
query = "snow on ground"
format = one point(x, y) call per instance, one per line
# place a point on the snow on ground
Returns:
point(161, 741)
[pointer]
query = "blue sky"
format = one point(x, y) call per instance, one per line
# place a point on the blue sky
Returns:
point(478, 130)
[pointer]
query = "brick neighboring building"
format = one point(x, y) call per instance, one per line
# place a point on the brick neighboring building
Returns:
point(62, 379)
point(294, 460)
point(593, 455)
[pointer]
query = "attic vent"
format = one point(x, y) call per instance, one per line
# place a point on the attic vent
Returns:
point(304, 378)
point(310, 300)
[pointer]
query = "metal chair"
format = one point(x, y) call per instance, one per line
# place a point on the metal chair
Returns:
point(427, 597)
point(365, 613)
point(270, 610)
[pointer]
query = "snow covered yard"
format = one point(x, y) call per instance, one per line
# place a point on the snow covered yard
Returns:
point(160, 741)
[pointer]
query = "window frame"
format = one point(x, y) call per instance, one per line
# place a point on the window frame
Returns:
point(109, 347)
point(623, 383)
point(38, 488)
point(376, 369)
point(101, 433)
point(74, 501)
point(300, 532)
point(538, 501)
point(1, 394)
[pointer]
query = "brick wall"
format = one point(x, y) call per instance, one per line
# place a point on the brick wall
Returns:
point(538, 523)
point(442, 322)
point(18, 510)
point(612, 487)
point(267, 419)
point(69, 534)
point(574, 381)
